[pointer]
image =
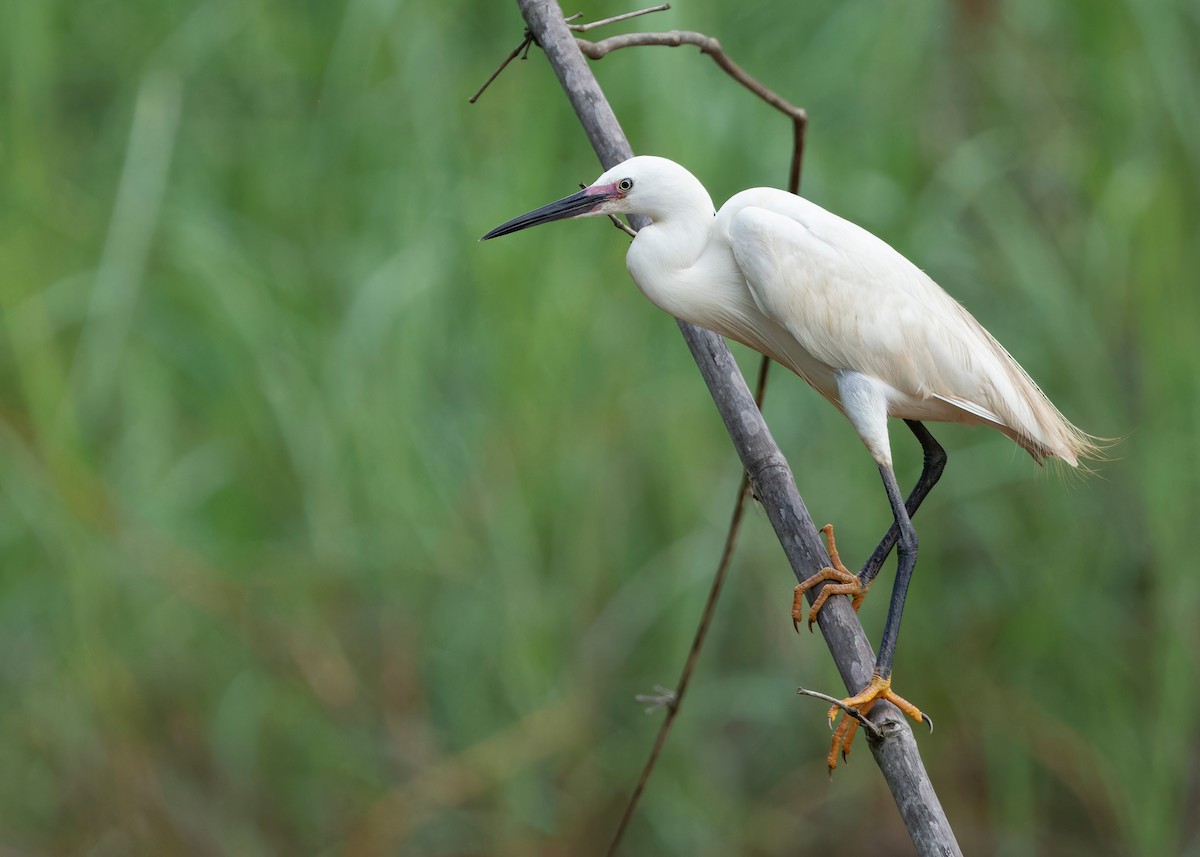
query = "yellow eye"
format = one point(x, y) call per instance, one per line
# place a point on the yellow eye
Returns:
point(625, 185)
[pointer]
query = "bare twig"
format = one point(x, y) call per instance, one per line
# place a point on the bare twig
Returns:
point(760, 388)
point(623, 226)
point(709, 45)
point(767, 470)
point(524, 46)
point(869, 727)
point(706, 44)
point(577, 28)
point(583, 28)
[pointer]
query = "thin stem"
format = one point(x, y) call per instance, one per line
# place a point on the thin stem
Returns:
point(583, 28)
point(706, 44)
point(623, 226)
point(866, 724)
point(714, 593)
point(689, 668)
point(525, 42)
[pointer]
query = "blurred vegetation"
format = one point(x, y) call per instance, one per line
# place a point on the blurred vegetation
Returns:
point(327, 530)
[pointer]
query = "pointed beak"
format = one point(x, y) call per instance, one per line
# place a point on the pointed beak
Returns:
point(578, 204)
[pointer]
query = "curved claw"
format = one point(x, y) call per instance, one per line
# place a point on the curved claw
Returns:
point(797, 608)
point(878, 688)
point(838, 580)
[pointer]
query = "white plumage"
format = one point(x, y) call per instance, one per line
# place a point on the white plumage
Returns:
point(836, 305)
point(848, 314)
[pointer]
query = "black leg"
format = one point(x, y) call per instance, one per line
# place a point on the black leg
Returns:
point(906, 555)
point(931, 471)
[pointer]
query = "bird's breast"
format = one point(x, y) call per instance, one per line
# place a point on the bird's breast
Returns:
point(711, 292)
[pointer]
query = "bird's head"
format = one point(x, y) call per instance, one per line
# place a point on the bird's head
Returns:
point(643, 185)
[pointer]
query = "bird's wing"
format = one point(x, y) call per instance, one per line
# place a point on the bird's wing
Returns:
point(854, 303)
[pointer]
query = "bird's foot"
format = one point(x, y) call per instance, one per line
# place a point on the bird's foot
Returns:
point(862, 702)
point(846, 583)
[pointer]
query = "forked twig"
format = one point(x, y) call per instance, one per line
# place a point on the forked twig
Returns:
point(576, 28)
point(674, 39)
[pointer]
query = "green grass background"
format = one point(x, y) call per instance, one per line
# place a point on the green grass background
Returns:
point(325, 529)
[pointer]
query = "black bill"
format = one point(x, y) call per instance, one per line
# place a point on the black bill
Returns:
point(575, 205)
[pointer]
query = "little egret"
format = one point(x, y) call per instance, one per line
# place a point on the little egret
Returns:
point(851, 316)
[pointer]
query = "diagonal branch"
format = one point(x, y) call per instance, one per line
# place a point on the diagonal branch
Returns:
point(767, 470)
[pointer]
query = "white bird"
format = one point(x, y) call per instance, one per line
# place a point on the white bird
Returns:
point(847, 313)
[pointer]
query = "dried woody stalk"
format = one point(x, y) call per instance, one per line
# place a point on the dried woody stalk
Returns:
point(709, 45)
point(891, 743)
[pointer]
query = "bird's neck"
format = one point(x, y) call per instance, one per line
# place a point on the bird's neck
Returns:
point(663, 255)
